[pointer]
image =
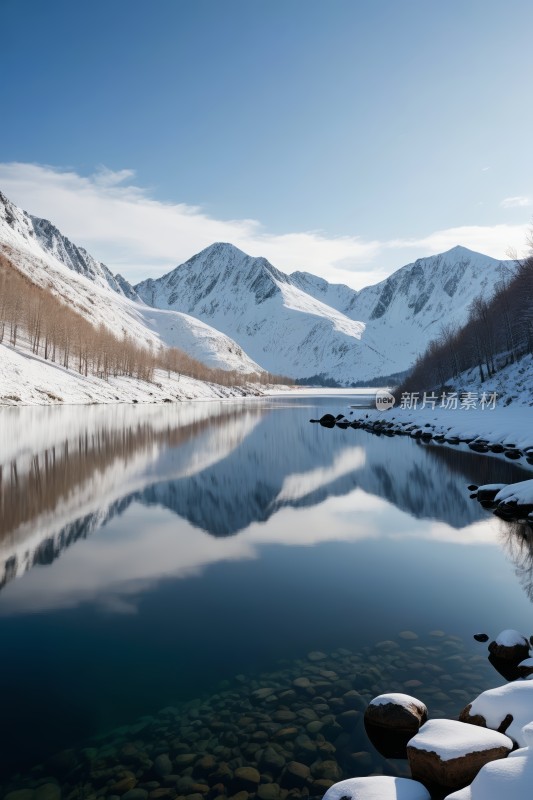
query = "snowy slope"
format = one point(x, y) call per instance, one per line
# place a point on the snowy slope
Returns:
point(234, 311)
point(40, 251)
point(282, 327)
point(301, 325)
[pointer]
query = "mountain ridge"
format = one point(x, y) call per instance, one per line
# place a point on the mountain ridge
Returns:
point(50, 260)
point(237, 311)
point(375, 331)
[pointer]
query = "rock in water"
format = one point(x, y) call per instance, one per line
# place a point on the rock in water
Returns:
point(162, 765)
point(506, 708)
point(391, 720)
point(510, 645)
point(481, 637)
point(377, 787)
point(508, 779)
point(449, 754)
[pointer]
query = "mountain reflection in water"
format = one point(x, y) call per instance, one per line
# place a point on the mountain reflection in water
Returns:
point(148, 552)
point(223, 467)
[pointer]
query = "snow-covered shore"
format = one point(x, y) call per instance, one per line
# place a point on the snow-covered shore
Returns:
point(26, 379)
point(511, 427)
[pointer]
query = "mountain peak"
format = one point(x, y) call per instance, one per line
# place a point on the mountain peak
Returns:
point(222, 250)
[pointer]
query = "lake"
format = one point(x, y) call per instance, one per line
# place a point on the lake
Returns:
point(188, 589)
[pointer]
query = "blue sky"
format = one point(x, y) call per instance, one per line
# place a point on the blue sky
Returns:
point(346, 137)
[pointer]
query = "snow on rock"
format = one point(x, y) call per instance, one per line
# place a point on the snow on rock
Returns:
point(520, 493)
point(377, 787)
point(397, 699)
point(510, 645)
point(451, 739)
point(508, 708)
point(450, 753)
point(391, 720)
point(511, 638)
point(396, 710)
point(495, 426)
point(508, 779)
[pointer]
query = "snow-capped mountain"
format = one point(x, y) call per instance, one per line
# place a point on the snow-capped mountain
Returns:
point(283, 328)
point(39, 250)
point(409, 308)
point(234, 311)
point(301, 325)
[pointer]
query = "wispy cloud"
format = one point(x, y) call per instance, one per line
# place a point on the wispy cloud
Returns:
point(123, 225)
point(495, 240)
point(520, 201)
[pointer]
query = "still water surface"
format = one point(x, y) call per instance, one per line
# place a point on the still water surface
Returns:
point(147, 554)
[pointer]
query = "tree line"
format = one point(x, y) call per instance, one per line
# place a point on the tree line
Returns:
point(498, 332)
point(35, 317)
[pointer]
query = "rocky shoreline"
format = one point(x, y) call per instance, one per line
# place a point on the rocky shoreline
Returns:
point(428, 432)
point(284, 735)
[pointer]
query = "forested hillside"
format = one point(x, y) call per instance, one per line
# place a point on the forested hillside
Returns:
point(33, 318)
point(499, 332)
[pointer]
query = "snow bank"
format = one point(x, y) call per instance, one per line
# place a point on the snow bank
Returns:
point(26, 379)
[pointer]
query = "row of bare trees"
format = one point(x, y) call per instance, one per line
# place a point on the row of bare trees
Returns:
point(498, 332)
point(35, 317)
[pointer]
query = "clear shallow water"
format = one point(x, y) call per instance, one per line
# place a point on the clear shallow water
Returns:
point(150, 553)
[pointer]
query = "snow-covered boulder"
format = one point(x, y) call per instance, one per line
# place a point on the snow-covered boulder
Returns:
point(448, 753)
point(398, 711)
point(506, 708)
point(377, 787)
point(508, 779)
point(520, 494)
point(510, 645)
point(391, 720)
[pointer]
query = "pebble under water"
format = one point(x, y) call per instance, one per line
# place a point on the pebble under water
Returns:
point(289, 733)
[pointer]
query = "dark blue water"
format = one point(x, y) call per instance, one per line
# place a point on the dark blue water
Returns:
point(149, 554)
